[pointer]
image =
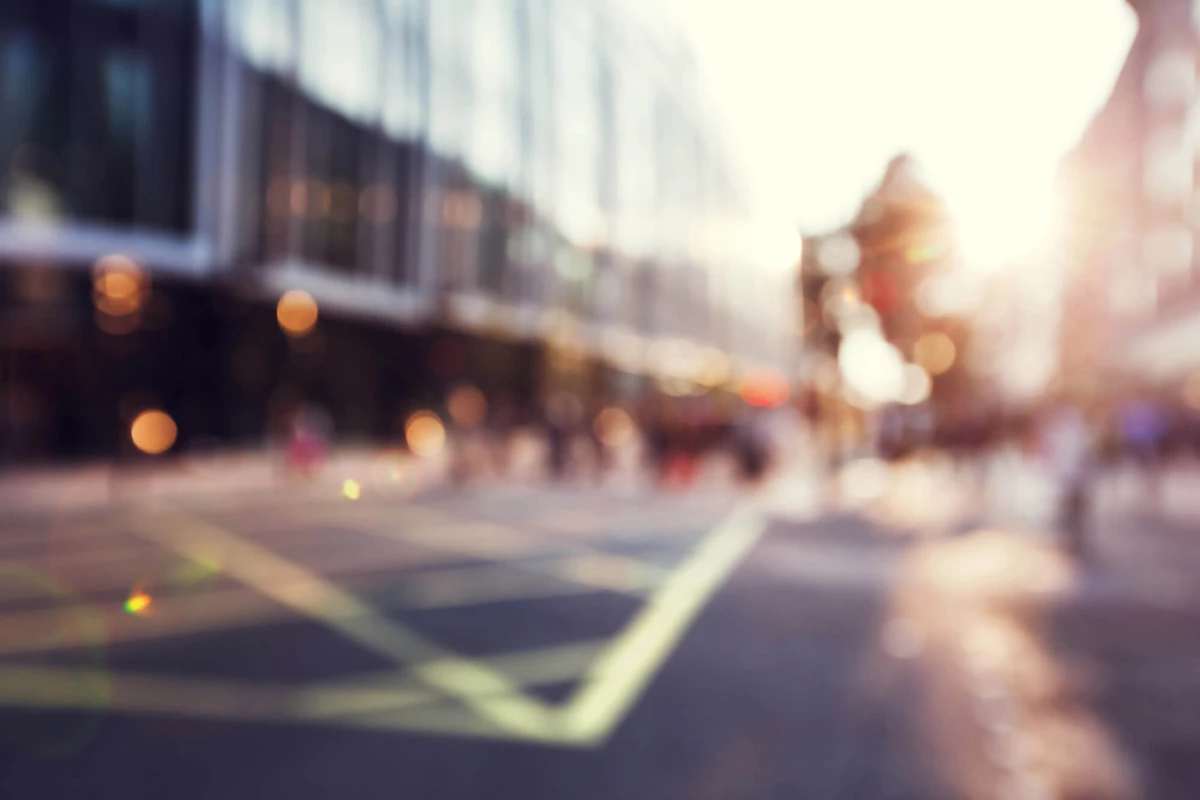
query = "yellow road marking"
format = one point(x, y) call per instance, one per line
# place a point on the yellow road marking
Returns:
point(490, 694)
point(381, 700)
point(468, 535)
point(28, 631)
point(583, 565)
point(621, 674)
point(491, 703)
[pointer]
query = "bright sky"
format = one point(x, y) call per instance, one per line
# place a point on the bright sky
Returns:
point(817, 95)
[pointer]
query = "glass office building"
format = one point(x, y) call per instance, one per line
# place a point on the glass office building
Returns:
point(537, 171)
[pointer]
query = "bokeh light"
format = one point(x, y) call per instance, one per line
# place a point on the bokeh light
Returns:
point(764, 388)
point(138, 603)
point(871, 366)
point(298, 198)
point(879, 289)
point(917, 385)
point(351, 489)
point(838, 296)
point(957, 292)
point(296, 312)
point(614, 427)
point(119, 290)
point(116, 275)
point(425, 434)
point(713, 368)
point(117, 285)
point(935, 352)
point(677, 386)
point(467, 405)
point(838, 255)
point(153, 432)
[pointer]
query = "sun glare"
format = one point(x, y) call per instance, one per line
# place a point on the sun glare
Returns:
point(1000, 223)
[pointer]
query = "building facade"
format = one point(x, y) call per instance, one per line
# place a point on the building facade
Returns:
point(538, 178)
point(1132, 304)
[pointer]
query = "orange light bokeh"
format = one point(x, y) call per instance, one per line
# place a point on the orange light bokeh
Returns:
point(425, 433)
point(614, 426)
point(764, 388)
point(153, 432)
point(119, 289)
point(467, 406)
point(935, 352)
point(296, 313)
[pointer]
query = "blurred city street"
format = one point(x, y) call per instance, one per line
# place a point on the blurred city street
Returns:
point(522, 638)
point(637, 399)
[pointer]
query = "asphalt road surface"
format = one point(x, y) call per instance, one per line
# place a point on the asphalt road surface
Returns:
point(533, 642)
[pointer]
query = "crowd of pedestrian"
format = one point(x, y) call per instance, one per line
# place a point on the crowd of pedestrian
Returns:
point(1076, 441)
point(672, 439)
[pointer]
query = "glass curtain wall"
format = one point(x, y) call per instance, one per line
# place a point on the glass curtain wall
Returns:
point(523, 146)
point(97, 117)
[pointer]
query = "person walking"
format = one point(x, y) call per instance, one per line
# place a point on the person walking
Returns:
point(1068, 447)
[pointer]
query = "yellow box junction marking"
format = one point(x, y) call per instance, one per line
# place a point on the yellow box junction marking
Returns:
point(618, 678)
point(308, 593)
point(432, 690)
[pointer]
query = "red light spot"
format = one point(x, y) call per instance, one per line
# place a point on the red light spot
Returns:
point(764, 389)
point(880, 290)
point(447, 357)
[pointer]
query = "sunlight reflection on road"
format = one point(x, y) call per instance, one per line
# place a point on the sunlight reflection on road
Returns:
point(1002, 712)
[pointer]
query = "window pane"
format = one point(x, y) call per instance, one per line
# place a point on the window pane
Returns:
point(263, 31)
point(97, 110)
point(404, 86)
point(340, 63)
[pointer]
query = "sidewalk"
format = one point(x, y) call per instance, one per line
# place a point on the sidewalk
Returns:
point(77, 488)
point(387, 469)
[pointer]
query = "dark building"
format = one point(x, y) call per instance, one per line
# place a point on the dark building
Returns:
point(535, 180)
